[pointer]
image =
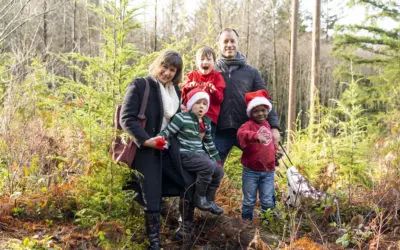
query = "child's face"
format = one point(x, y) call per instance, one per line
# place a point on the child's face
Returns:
point(205, 64)
point(259, 113)
point(199, 108)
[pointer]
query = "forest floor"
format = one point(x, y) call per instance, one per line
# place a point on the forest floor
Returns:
point(295, 229)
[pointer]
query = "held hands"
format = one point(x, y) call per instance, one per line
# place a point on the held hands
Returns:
point(207, 86)
point(192, 84)
point(211, 87)
point(157, 142)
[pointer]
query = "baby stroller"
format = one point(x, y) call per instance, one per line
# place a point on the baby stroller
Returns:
point(300, 189)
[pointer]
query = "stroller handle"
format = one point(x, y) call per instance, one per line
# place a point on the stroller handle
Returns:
point(287, 156)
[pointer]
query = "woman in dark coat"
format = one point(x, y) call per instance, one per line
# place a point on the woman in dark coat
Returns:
point(161, 170)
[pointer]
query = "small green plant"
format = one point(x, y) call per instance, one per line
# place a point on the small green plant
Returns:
point(19, 211)
point(44, 244)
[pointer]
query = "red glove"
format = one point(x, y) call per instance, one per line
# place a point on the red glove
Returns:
point(160, 143)
point(220, 163)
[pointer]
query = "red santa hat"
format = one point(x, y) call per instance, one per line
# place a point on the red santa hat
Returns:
point(194, 95)
point(257, 98)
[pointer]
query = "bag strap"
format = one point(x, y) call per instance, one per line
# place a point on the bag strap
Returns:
point(143, 106)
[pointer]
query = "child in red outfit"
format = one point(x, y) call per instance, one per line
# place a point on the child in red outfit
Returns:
point(258, 158)
point(206, 78)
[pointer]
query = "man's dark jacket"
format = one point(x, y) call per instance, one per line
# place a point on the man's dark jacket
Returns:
point(233, 109)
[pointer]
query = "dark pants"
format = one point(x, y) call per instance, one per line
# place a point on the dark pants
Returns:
point(207, 171)
point(225, 139)
point(158, 176)
point(213, 131)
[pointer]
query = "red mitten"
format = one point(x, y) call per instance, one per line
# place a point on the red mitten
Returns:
point(160, 143)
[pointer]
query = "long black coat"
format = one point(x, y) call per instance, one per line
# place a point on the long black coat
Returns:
point(162, 171)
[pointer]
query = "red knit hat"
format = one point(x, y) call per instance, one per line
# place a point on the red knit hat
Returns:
point(194, 95)
point(256, 98)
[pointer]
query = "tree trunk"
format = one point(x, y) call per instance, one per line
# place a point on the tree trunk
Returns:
point(45, 34)
point(275, 58)
point(291, 120)
point(144, 35)
point(248, 28)
point(89, 38)
point(74, 36)
point(314, 65)
point(155, 26)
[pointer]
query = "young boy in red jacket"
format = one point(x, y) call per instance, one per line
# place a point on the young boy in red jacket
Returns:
point(207, 79)
point(258, 158)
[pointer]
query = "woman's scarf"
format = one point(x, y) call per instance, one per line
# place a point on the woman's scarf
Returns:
point(229, 64)
point(170, 102)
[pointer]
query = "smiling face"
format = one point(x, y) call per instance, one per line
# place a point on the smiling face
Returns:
point(259, 113)
point(166, 73)
point(205, 63)
point(228, 44)
point(200, 107)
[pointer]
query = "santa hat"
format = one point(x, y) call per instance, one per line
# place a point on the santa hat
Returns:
point(194, 95)
point(257, 98)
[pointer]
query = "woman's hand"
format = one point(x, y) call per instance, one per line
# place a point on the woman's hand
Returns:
point(152, 142)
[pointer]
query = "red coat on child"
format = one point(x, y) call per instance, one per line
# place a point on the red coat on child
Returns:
point(257, 156)
point(216, 97)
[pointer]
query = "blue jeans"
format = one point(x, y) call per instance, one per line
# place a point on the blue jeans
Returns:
point(253, 181)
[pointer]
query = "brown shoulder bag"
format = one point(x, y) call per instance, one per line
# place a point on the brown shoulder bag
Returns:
point(125, 150)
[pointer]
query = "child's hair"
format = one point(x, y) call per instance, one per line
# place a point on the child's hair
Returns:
point(168, 58)
point(205, 51)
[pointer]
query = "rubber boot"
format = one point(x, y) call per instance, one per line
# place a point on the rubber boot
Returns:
point(184, 231)
point(200, 200)
point(153, 226)
point(214, 208)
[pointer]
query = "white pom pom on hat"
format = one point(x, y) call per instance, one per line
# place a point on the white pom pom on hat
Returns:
point(194, 95)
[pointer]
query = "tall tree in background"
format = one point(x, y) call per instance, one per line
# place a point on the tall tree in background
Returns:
point(155, 26)
point(248, 27)
point(292, 93)
point(370, 45)
point(314, 100)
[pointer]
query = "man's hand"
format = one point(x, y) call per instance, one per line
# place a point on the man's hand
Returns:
point(276, 135)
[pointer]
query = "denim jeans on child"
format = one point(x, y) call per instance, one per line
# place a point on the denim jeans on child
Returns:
point(253, 181)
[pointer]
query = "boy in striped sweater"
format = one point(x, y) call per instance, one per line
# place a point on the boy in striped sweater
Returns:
point(197, 149)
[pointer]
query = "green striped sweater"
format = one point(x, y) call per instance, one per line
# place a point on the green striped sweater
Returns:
point(187, 128)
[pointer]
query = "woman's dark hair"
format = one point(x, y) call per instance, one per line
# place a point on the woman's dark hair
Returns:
point(168, 58)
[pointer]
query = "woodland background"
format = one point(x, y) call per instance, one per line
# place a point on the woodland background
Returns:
point(65, 65)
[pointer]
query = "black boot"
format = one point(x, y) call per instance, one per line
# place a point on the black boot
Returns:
point(214, 208)
point(200, 200)
point(153, 226)
point(184, 231)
